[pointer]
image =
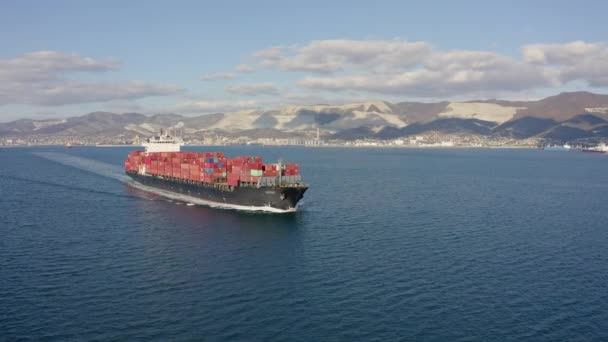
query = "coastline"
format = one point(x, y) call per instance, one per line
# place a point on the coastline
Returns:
point(511, 147)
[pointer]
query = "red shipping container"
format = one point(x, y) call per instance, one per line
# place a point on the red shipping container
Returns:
point(214, 154)
point(255, 166)
point(271, 173)
point(291, 172)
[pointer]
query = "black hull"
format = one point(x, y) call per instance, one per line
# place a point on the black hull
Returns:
point(282, 198)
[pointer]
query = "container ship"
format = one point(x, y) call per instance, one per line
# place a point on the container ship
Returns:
point(242, 182)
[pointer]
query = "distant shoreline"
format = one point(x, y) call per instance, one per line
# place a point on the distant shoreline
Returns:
point(306, 146)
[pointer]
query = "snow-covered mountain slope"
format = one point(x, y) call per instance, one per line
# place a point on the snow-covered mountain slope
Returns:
point(371, 116)
point(479, 110)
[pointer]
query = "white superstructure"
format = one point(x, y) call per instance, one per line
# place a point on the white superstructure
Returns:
point(163, 143)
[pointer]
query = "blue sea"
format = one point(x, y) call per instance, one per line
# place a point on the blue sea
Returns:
point(388, 245)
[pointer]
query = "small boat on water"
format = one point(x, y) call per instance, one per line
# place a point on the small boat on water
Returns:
point(601, 148)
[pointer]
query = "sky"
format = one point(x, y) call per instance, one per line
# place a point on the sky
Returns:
point(66, 58)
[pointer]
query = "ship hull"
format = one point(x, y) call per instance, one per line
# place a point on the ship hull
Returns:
point(284, 198)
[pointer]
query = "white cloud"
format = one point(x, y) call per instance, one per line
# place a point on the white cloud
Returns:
point(592, 71)
point(45, 65)
point(403, 68)
point(70, 92)
point(244, 68)
point(254, 89)
point(442, 74)
point(217, 77)
point(126, 106)
point(326, 56)
point(561, 54)
point(211, 106)
point(575, 61)
point(305, 99)
point(38, 78)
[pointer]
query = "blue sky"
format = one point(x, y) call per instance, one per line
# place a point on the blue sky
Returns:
point(157, 51)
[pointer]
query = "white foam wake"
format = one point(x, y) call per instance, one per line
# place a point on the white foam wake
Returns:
point(199, 201)
point(94, 166)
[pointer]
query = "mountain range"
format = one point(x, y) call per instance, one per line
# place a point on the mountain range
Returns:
point(564, 117)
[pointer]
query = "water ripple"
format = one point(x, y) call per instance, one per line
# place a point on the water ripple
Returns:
point(434, 246)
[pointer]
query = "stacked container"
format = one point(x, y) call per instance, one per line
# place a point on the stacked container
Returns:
point(212, 167)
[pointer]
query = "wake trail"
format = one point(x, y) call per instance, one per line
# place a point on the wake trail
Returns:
point(65, 186)
point(90, 165)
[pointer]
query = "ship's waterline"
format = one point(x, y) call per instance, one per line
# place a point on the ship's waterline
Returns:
point(243, 198)
point(190, 201)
